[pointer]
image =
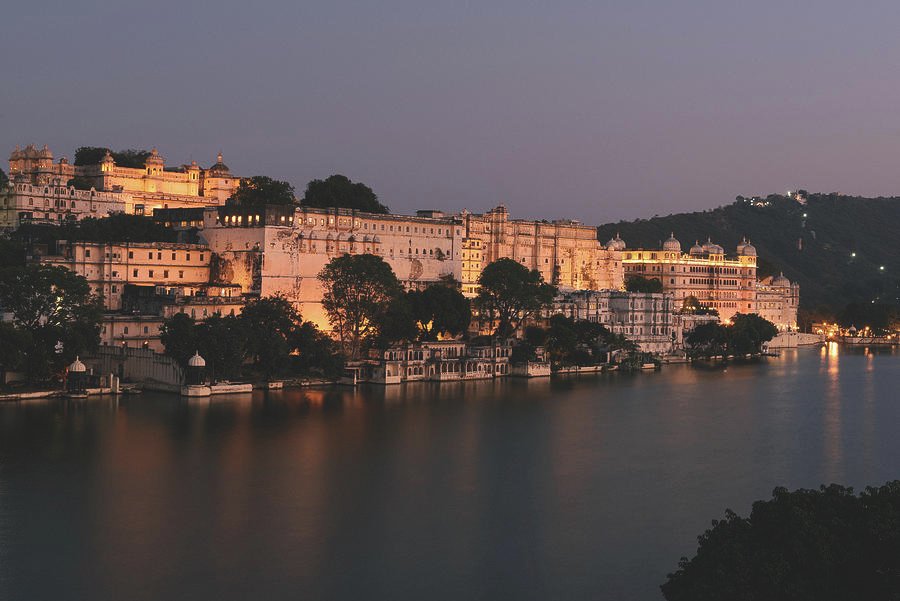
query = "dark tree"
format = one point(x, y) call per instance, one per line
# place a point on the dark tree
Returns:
point(115, 228)
point(806, 545)
point(317, 353)
point(91, 155)
point(269, 326)
point(395, 323)
point(179, 336)
point(56, 309)
point(358, 290)
point(509, 294)
point(748, 332)
point(440, 310)
point(339, 191)
point(223, 342)
point(707, 340)
point(636, 283)
point(260, 190)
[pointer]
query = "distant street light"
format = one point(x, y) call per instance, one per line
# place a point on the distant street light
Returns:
point(881, 268)
point(852, 254)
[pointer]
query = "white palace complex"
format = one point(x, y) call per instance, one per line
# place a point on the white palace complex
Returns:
point(261, 251)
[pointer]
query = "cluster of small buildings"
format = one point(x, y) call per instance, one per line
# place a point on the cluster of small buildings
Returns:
point(245, 252)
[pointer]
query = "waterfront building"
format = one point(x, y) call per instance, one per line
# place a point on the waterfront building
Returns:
point(137, 190)
point(778, 299)
point(652, 320)
point(718, 281)
point(442, 361)
point(282, 249)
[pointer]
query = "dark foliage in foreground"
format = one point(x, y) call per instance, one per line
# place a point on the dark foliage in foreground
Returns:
point(815, 545)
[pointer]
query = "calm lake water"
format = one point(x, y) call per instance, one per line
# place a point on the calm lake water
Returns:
point(587, 488)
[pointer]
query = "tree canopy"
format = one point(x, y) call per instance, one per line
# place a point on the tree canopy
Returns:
point(359, 291)
point(267, 339)
point(440, 309)
point(509, 293)
point(260, 190)
point(91, 155)
point(745, 335)
point(118, 227)
point(55, 317)
point(636, 283)
point(338, 191)
point(815, 545)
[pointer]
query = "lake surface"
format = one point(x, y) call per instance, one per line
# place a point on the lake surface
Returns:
point(581, 488)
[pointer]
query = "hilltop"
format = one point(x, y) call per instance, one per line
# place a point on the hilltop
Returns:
point(833, 245)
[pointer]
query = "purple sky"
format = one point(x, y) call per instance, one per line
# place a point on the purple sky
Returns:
point(590, 110)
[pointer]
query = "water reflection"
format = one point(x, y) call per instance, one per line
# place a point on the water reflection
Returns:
point(582, 487)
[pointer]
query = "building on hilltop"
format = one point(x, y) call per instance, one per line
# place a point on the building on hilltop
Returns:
point(38, 185)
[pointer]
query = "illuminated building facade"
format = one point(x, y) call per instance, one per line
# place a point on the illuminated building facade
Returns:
point(174, 269)
point(565, 252)
point(726, 283)
point(777, 299)
point(142, 189)
point(281, 250)
point(721, 282)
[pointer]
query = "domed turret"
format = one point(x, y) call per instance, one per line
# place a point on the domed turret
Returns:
point(45, 153)
point(672, 244)
point(616, 243)
point(696, 249)
point(220, 168)
point(77, 366)
point(196, 360)
point(712, 248)
point(16, 154)
point(154, 158)
point(781, 281)
point(746, 249)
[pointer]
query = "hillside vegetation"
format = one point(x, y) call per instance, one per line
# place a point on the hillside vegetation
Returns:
point(834, 246)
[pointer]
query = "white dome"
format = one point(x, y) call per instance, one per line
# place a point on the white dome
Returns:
point(77, 366)
point(781, 281)
point(197, 360)
point(746, 249)
point(712, 248)
point(616, 243)
point(696, 249)
point(672, 244)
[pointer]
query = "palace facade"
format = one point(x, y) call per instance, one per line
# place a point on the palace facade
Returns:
point(724, 282)
point(38, 183)
point(281, 250)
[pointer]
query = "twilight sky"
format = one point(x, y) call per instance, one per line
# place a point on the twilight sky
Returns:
point(591, 110)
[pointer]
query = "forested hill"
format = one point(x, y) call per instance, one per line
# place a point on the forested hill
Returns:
point(814, 244)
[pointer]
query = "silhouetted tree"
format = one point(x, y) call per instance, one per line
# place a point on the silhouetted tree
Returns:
point(338, 191)
point(358, 291)
point(636, 283)
point(816, 545)
point(260, 190)
point(510, 293)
